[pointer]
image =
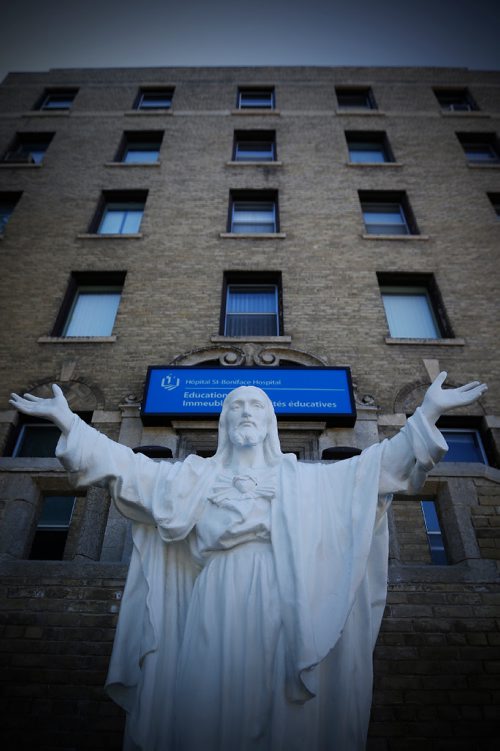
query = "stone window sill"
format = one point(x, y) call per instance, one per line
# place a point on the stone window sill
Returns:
point(96, 236)
point(486, 165)
point(253, 164)
point(19, 165)
point(47, 113)
point(217, 339)
point(76, 339)
point(133, 164)
point(467, 113)
point(361, 111)
point(253, 235)
point(457, 342)
point(256, 111)
point(158, 112)
point(405, 238)
point(30, 464)
point(374, 164)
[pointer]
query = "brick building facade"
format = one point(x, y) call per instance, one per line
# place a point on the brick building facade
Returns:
point(355, 213)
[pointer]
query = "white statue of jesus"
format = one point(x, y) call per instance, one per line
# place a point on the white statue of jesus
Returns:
point(257, 583)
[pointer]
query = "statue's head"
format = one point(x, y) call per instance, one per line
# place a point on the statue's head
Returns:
point(248, 418)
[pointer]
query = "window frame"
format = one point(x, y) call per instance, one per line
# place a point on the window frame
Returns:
point(377, 138)
point(458, 93)
point(254, 136)
point(438, 554)
point(353, 91)
point(126, 198)
point(389, 198)
point(253, 197)
point(495, 203)
point(139, 137)
point(486, 141)
point(86, 279)
point(252, 279)
point(65, 93)
point(60, 530)
point(160, 91)
point(436, 304)
point(18, 151)
point(262, 90)
point(9, 199)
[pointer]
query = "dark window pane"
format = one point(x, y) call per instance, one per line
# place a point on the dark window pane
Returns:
point(37, 441)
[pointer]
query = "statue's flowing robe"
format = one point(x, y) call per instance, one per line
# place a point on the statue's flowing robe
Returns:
point(330, 551)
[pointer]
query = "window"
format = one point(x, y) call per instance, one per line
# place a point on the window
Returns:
point(28, 148)
point(154, 99)
point(120, 213)
point(251, 304)
point(90, 305)
point(480, 148)
point(140, 147)
point(52, 528)
point(455, 100)
point(254, 146)
point(495, 202)
point(434, 533)
point(154, 452)
point(413, 307)
point(355, 97)
point(253, 212)
point(8, 203)
point(387, 213)
point(36, 438)
point(464, 446)
point(57, 99)
point(368, 147)
point(337, 453)
point(249, 98)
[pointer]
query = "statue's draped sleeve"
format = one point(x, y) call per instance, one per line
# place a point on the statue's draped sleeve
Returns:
point(330, 541)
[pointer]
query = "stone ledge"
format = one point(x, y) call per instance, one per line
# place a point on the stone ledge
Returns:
point(114, 236)
point(458, 342)
point(158, 112)
point(218, 339)
point(133, 164)
point(254, 164)
point(470, 570)
point(467, 113)
point(76, 339)
point(256, 111)
point(19, 165)
point(494, 165)
point(465, 469)
point(374, 164)
point(405, 238)
point(361, 111)
point(30, 464)
point(47, 113)
point(253, 235)
point(80, 569)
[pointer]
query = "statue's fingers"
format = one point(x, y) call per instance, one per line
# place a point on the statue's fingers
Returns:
point(32, 398)
point(441, 378)
point(469, 386)
point(57, 390)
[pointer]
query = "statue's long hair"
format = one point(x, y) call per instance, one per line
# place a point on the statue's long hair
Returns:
point(272, 448)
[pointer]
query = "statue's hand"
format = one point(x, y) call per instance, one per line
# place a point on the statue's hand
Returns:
point(437, 400)
point(56, 409)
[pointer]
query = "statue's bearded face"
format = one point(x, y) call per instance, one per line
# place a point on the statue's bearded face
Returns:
point(247, 417)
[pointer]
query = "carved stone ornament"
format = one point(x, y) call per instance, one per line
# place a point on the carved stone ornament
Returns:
point(248, 355)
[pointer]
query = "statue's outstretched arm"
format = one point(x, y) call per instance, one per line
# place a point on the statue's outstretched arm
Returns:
point(55, 409)
point(419, 445)
point(437, 400)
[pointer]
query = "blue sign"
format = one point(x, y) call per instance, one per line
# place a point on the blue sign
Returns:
point(298, 393)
